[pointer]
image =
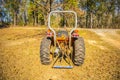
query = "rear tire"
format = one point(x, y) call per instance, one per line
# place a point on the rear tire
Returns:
point(45, 51)
point(79, 51)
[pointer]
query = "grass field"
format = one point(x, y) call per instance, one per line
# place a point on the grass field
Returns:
point(20, 57)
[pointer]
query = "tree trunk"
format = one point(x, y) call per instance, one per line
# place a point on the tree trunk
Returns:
point(86, 20)
point(34, 19)
point(15, 18)
point(24, 18)
point(46, 18)
point(91, 20)
point(47, 13)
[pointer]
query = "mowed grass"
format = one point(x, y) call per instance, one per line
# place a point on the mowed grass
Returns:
point(20, 51)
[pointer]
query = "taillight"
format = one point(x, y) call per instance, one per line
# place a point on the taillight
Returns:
point(49, 33)
point(76, 31)
point(75, 34)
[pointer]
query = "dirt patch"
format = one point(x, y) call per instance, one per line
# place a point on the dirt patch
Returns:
point(110, 36)
point(20, 58)
point(95, 43)
point(18, 42)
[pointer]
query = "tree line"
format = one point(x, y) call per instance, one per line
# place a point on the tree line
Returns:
point(91, 13)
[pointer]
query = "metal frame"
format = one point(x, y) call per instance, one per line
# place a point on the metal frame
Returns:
point(54, 30)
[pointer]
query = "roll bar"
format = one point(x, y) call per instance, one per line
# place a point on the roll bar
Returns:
point(54, 30)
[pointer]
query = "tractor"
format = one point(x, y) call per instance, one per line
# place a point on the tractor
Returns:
point(62, 46)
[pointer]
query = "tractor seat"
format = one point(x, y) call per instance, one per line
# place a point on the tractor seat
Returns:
point(61, 33)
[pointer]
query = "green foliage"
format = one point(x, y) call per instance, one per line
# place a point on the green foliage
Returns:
point(97, 13)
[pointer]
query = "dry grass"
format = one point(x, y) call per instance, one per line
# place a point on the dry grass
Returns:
point(19, 57)
point(118, 32)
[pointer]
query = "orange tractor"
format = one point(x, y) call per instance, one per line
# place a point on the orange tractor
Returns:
point(62, 46)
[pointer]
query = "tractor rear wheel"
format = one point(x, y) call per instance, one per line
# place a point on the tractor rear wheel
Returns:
point(79, 51)
point(45, 51)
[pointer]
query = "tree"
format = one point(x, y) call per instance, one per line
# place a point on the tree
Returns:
point(13, 6)
point(5, 18)
point(99, 13)
point(45, 6)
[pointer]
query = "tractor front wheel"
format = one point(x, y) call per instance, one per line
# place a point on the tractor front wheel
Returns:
point(45, 51)
point(79, 51)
